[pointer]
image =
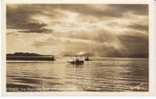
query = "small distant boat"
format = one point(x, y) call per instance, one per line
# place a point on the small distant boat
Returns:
point(76, 61)
point(84, 55)
point(87, 58)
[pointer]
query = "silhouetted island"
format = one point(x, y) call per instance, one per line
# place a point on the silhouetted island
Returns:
point(29, 56)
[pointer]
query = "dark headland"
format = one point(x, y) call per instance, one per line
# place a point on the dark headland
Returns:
point(29, 56)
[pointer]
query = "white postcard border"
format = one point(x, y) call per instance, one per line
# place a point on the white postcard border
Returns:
point(151, 47)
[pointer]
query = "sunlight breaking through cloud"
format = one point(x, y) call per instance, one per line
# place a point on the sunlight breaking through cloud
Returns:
point(112, 29)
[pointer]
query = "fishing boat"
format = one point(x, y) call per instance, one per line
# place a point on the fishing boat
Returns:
point(76, 61)
point(79, 58)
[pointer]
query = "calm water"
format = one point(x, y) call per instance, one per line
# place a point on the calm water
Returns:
point(101, 74)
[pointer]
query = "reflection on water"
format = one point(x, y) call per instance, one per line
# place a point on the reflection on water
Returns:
point(100, 75)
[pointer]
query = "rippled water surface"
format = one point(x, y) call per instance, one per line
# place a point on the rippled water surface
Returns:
point(103, 74)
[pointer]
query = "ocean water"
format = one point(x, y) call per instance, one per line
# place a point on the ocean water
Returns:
point(100, 75)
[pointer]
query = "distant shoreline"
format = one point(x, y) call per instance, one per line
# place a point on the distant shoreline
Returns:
point(29, 56)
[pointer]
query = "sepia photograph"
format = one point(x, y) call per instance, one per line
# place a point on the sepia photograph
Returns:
point(77, 47)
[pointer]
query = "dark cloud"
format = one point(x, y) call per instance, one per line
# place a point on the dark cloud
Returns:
point(140, 9)
point(139, 27)
point(136, 46)
point(18, 17)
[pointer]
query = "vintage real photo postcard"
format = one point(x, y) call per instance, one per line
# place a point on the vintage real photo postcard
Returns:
point(77, 47)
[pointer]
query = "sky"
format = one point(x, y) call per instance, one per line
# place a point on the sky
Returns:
point(116, 30)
